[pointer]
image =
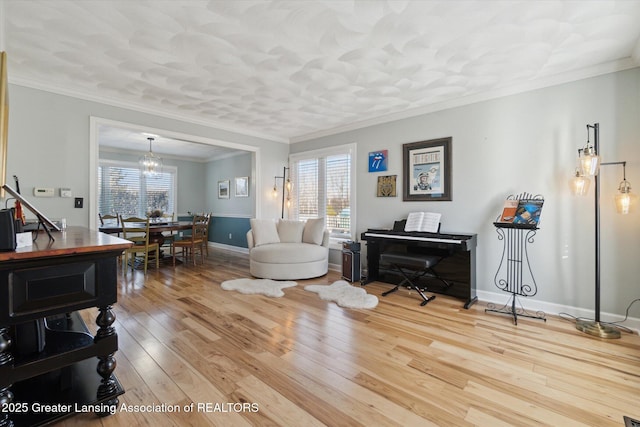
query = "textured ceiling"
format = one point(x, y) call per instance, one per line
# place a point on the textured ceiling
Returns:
point(290, 70)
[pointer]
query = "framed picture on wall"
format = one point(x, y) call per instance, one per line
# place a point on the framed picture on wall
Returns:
point(223, 189)
point(386, 186)
point(427, 170)
point(242, 186)
point(378, 160)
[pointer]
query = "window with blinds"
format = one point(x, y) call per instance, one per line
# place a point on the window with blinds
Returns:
point(122, 189)
point(324, 188)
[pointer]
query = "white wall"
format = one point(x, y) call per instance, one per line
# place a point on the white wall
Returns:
point(526, 143)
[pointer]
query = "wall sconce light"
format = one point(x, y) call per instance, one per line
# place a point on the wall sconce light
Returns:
point(287, 186)
point(589, 165)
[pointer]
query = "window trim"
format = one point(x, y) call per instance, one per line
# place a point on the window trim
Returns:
point(351, 148)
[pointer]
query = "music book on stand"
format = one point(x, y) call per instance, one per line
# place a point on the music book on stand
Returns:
point(521, 213)
point(423, 221)
point(509, 211)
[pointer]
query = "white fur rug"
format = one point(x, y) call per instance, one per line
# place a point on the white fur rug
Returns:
point(267, 287)
point(344, 294)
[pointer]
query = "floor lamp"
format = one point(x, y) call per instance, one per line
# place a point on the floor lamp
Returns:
point(287, 185)
point(589, 165)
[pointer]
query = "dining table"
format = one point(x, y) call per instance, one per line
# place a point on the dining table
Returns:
point(156, 228)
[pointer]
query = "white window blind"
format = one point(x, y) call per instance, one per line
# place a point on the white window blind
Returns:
point(123, 190)
point(324, 188)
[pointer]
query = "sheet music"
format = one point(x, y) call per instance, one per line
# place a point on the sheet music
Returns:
point(423, 221)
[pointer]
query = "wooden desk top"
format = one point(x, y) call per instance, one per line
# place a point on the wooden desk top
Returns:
point(73, 240)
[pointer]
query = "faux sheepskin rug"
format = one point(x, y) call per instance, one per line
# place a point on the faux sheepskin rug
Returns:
point(267, 287)
point(344, 294)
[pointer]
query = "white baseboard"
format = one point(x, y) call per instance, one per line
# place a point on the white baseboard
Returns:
point(335, 267)
point(229, 247)
point(533, 305)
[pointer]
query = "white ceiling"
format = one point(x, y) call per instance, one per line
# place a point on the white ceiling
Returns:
point(120, 138)
point(292, 70)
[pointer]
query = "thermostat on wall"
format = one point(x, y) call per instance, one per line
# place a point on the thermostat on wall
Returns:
point(43, 192)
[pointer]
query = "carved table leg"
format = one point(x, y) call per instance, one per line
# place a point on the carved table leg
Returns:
point(6, 396)
point(106, 364)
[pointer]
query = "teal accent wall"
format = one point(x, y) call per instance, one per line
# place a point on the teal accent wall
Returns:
point(222, 227)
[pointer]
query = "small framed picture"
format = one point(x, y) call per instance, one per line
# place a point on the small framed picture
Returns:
point(242, 186)
point(386, 186)
point(378, 160)
point(223, 189)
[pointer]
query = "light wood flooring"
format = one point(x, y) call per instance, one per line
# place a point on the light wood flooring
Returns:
point(301, 361)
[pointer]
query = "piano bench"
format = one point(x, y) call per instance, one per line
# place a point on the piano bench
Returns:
point(414, 261)
point(421, 265)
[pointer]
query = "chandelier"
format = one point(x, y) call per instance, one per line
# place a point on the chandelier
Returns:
point(150, 164)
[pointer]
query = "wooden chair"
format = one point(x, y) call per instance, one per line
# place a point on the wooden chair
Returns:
point(171, 237)
point(137, 230)
point(109, 218)
point(196, 241)
point(206, 234)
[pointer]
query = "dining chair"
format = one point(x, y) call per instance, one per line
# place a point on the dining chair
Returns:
point(206, 234)
point(137, 230)
point(109, 218)
point(195, 242)
point(168, 238)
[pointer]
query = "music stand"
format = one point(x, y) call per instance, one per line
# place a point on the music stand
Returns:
point(42, 219)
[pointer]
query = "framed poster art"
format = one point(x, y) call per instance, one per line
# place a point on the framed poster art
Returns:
point(427, 170)
point(223, 189)
point(378, 160)
point(386, 186)
point(242, 186)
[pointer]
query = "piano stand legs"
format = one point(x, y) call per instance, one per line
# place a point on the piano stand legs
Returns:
point(409, 284)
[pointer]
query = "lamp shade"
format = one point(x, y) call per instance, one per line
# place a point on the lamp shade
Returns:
point(589, 162)
point(625, 201)
point(579, 184)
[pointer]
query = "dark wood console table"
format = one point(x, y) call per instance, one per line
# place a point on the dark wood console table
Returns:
point(45, 284)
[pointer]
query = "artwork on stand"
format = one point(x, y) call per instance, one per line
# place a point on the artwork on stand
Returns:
point(223, 189)
point(386, 186)
point(242, 186)
point(427, 170)
point(378, 161)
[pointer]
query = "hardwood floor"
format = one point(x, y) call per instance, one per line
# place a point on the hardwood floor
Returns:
point(299, 361)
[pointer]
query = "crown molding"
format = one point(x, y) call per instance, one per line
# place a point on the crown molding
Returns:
point(558, 79)
point(33, 84)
